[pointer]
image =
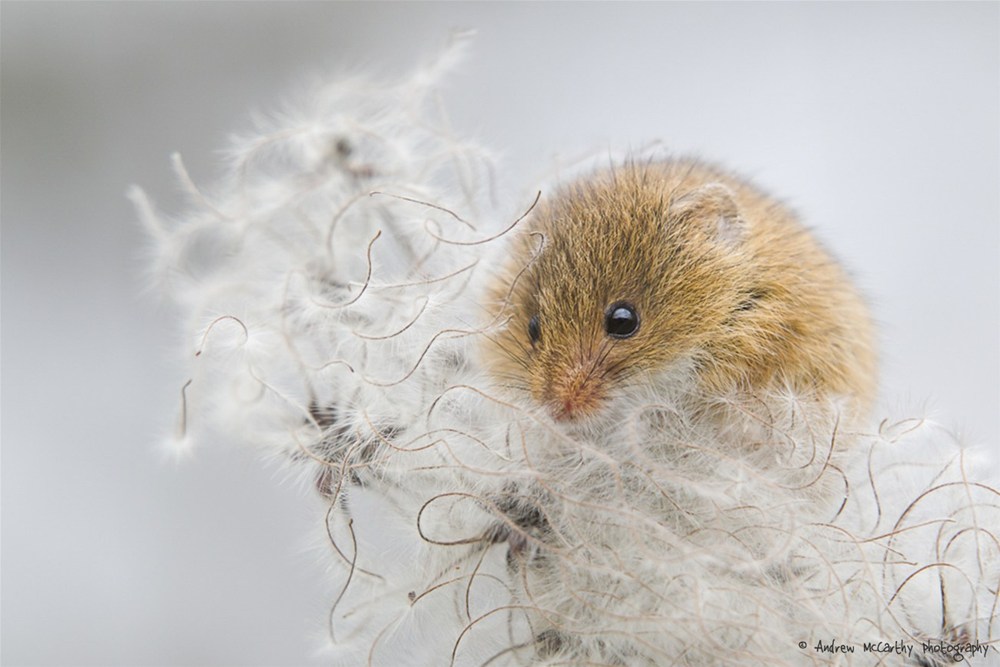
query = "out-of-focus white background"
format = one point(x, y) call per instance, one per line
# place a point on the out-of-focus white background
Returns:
point(879, 122)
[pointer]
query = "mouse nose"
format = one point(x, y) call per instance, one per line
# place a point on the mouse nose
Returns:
point(574, 393)
point(564, 412)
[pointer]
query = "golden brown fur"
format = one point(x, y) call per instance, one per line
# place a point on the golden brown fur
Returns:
point(723, 277)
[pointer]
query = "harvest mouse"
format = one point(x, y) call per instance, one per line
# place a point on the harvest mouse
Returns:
point(627, 277)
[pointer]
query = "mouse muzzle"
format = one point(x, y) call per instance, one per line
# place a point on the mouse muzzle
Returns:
point(573, 393)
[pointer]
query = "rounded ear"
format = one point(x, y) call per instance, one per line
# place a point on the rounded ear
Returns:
point(714, 206)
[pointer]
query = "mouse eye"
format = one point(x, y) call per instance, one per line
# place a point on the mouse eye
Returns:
point(534, 330)
point(621, 320)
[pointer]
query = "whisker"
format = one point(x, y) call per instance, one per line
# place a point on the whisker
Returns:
point(520, 360)
point(602, 354)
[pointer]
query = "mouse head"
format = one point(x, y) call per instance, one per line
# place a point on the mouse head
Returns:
point(615, 279)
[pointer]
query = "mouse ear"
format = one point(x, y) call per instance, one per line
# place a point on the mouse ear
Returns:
point(714, 206)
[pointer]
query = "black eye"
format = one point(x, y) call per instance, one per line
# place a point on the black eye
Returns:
point(534, 330)
point(621, 320)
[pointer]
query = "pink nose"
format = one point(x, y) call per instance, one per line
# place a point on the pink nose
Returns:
point(573, 393)
point(566, 412)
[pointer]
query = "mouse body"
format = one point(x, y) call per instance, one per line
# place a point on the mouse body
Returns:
point(674, 274)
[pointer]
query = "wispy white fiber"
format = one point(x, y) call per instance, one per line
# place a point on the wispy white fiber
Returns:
point(332, 286)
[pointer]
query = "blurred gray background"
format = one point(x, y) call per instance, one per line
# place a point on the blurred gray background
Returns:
point(879, 122)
